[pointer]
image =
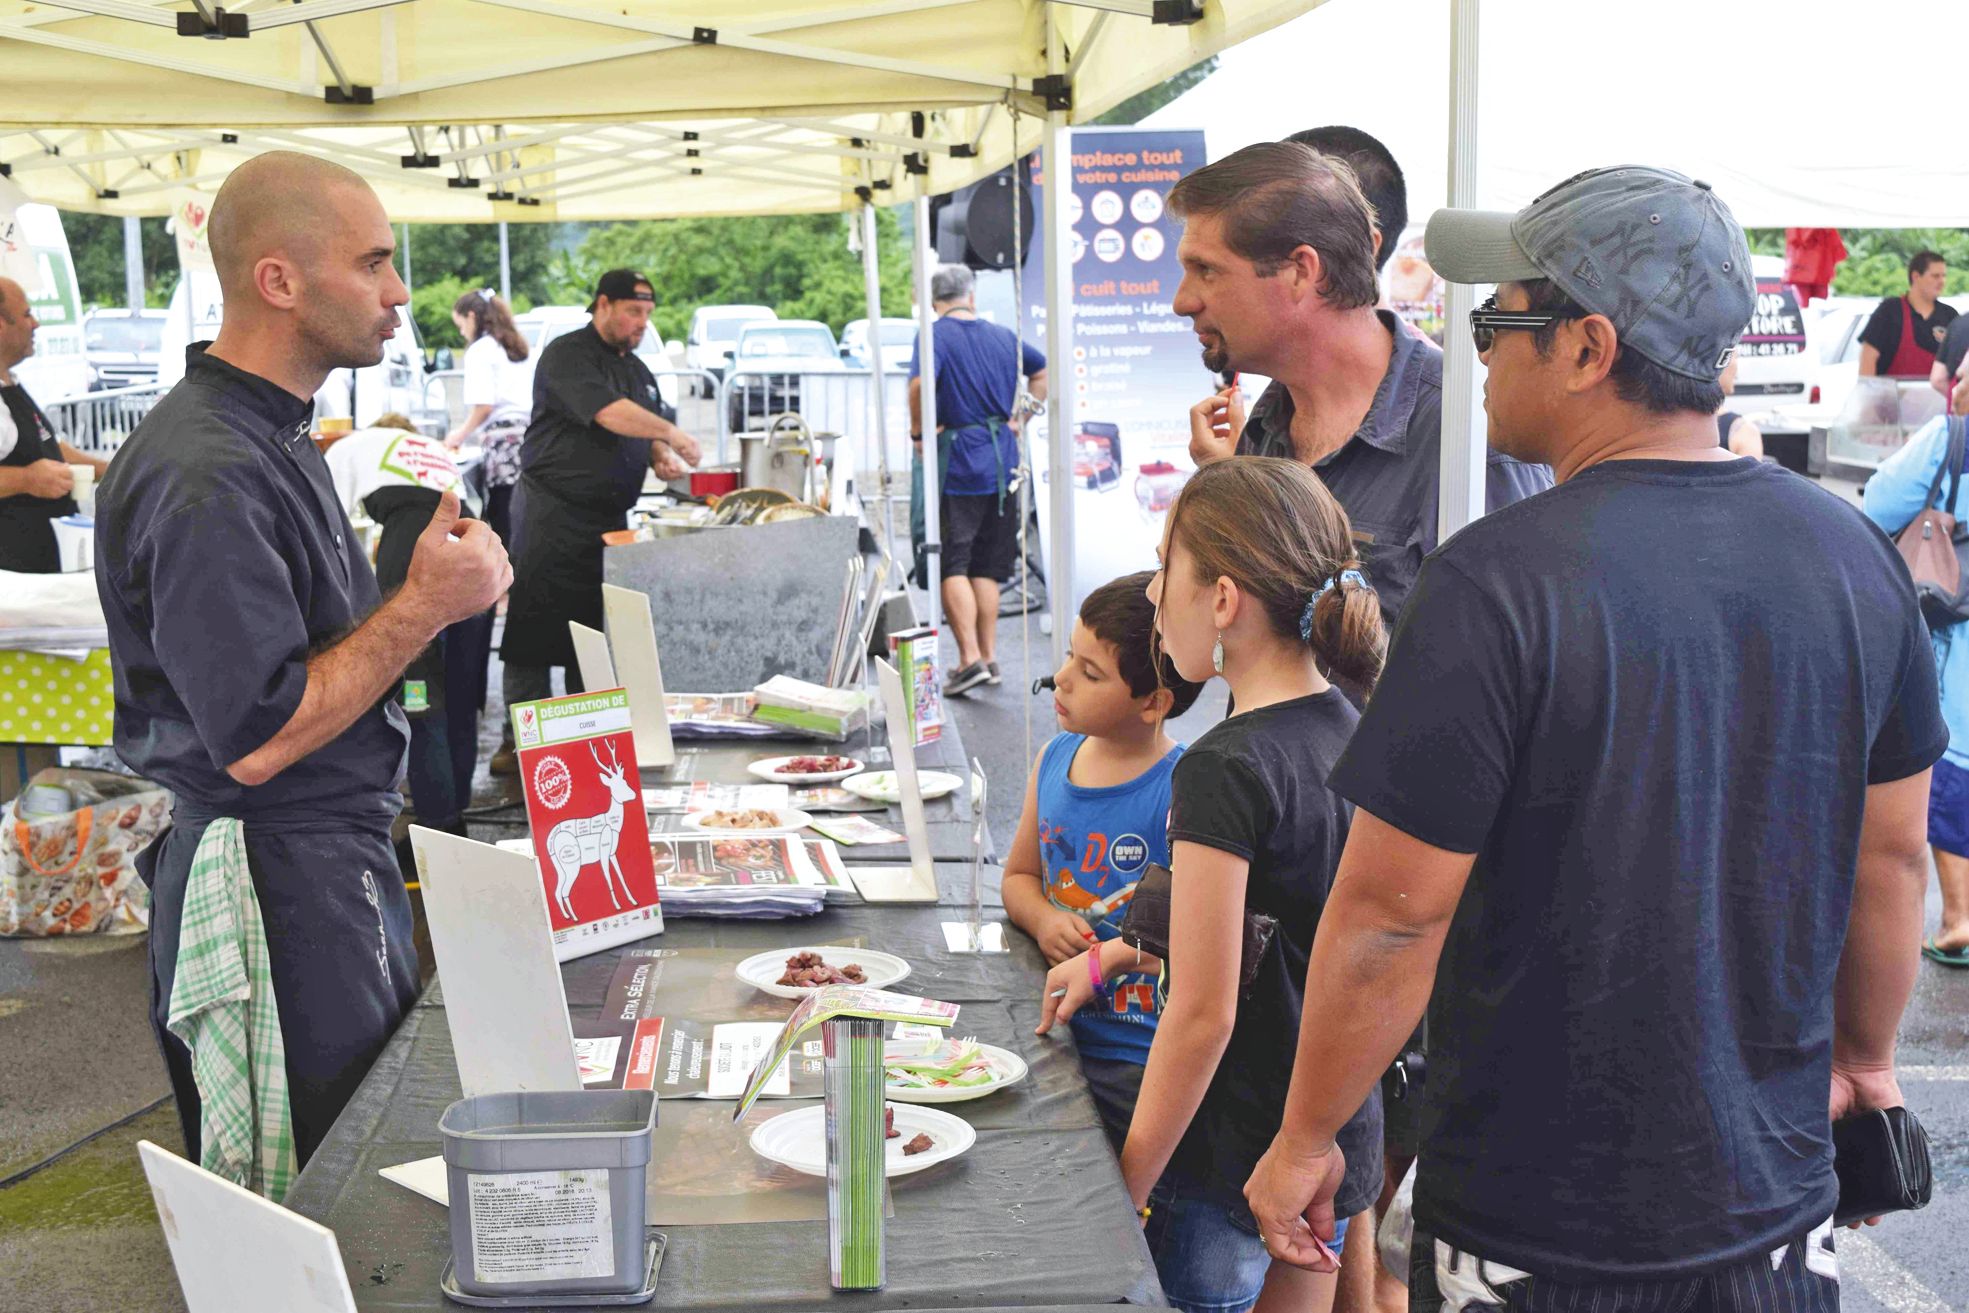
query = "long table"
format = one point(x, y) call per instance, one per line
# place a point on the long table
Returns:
point(713, 761)
point(1034, 1214)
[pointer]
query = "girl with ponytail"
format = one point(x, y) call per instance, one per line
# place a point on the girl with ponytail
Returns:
point(1259, 587)
point(498, 396)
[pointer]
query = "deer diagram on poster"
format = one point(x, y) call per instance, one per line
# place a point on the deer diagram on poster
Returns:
point(584, 818)
point(583, 841)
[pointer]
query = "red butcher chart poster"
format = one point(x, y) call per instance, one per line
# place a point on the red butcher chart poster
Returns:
point(584, 804)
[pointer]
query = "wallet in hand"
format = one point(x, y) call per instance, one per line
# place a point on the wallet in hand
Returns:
point(1881, 1158)
point(1146, 926)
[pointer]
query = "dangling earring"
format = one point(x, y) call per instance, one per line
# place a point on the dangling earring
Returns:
point(1217, 653)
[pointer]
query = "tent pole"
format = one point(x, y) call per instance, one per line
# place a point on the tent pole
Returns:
point(1461, 497)
point(133, 262)
point(505, 267)
point(926, 320)
point(407, 284)
point(1057, 162)
point(871, 278)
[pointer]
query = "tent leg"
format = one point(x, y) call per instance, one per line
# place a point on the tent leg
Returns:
point(1057, 161)
point(1461, 496)
point(926, 319)
point(505, 267)
point(133, 262)
point(872, 292)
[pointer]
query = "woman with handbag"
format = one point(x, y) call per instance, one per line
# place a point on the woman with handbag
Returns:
point(1920, 487)
point(1258, 586)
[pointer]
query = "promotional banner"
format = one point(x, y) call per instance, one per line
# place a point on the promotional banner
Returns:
point(189, 220)
point(1136, 367)
point(584, 806)
point(16, 251)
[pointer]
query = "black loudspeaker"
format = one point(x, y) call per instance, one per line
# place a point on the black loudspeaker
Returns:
point(973, 225)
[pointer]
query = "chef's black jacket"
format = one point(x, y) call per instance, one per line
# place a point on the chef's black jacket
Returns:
point(27, 531)
point(577, 482)
point(224, 561)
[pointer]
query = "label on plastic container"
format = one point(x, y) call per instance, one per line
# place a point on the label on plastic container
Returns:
point(541, 1226)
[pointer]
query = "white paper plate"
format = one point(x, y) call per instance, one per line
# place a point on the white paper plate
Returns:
point(789, 821)
point(1007, 1067)
point(774, 769)
point(881, 785)
point(799, 1139)
point(763, 969)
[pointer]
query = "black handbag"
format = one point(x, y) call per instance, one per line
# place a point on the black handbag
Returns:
point(1935, 544)
point(1881, 1159)
point(1146, 926)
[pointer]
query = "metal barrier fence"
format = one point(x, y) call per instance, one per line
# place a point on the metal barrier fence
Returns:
point(830, 400)
point(97, 422)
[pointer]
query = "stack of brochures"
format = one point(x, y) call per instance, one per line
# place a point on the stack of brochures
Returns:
point(812, 709)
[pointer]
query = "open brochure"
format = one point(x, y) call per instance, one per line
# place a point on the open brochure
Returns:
point(839, 1001)
point(633, 1044)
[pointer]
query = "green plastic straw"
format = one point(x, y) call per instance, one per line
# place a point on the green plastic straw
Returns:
point(856, 1152)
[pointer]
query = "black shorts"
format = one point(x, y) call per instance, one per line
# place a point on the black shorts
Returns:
point(980, 539)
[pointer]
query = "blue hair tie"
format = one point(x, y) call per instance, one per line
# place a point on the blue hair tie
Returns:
point(1354, 577)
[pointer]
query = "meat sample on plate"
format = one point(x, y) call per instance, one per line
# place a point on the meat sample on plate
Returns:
point(920, 1144)
point(752, 818)
point(889, 1131)
point(809, 971)
point(817, 765)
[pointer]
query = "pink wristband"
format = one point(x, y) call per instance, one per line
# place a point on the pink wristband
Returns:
point(1094, 969)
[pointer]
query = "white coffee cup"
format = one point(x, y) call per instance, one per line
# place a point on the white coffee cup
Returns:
point(84, 490)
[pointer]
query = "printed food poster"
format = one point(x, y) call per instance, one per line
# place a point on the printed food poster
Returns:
point(1136, 367)
point(584, 805)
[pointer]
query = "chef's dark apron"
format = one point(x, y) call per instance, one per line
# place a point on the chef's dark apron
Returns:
point(557, 572)
point(27, 531)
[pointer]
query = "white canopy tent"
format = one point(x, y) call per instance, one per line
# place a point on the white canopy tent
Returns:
point(538, 110)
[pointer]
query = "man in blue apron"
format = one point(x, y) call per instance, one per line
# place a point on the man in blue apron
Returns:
point(36, 482)
point(254, 659)
point(979, 369)
point(599, 426)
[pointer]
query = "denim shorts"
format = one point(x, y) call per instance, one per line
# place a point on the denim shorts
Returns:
point(1948, 808)
point(1209, 1255)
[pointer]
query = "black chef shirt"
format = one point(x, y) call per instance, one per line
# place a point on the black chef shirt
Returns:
point(224, 560)
point(566, 452)
point(27, 538)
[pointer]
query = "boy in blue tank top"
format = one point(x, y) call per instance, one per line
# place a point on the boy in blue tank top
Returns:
point(1096, 816)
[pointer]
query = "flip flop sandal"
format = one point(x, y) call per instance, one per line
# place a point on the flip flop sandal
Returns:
point(1948, 957)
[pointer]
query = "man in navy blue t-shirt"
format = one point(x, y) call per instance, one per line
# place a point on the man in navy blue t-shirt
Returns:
point(1658, 824)
point(979, 368)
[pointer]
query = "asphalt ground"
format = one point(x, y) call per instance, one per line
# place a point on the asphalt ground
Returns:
point(81, 1082)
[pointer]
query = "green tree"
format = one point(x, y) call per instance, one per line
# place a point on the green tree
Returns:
point(95, 242)
point(1876, 258)
point(800, 265)
point(469, 253)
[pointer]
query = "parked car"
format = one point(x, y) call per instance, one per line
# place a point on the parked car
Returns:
point(714, 334)
point(121, 347)
point(898, 344)
point(767, 363)
point(544, 323)
point(1775, 365)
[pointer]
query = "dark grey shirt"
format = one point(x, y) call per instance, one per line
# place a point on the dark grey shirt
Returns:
point(1386, 477)
point(224, 559)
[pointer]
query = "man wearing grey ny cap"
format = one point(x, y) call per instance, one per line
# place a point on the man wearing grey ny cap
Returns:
point(1657, 825)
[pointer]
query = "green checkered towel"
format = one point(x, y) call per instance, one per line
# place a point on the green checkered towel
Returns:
point(222, 1007)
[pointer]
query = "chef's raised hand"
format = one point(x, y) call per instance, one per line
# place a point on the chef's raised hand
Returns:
point(459, 567)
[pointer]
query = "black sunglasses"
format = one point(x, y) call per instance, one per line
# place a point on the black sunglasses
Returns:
point(1487, 321)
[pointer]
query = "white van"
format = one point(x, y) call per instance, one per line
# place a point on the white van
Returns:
point(714, 332)
point(396, 383)
point(58, 369)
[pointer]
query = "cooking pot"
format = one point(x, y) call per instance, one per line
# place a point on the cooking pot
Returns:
point(781, 457)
